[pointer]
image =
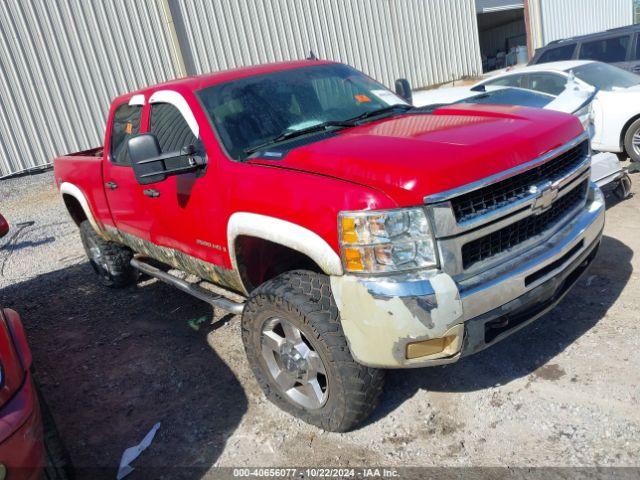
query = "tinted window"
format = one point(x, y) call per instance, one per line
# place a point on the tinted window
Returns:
point(549, 83)
point(508, 81)
point(638, 48)
point(558, 54)
point(126, 123)
point(608, 50)
point(606, 77)
point(252, 111)
point(170, 127)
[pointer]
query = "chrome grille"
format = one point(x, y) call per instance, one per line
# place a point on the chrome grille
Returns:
point(510, 236)
point(494, 196)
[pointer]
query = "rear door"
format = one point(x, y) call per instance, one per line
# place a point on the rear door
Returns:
point(128, 205)
point(634, 61)
point(614, 50)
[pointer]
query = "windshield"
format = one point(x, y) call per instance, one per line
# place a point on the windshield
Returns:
point(255, 110)
point(605, 76)
point(512, 96)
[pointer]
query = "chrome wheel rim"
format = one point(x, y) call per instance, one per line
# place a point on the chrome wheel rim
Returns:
point(635, 142)
point(96, 256)
point(294, 364)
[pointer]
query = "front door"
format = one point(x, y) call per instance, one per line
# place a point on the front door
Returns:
point(186, 206)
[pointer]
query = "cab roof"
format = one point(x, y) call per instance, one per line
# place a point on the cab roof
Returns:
point(208, 79)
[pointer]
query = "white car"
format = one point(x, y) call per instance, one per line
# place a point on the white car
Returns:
point(575, 98)
point(616, 108)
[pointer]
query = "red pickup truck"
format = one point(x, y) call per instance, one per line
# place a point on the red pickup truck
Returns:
point(353, 232)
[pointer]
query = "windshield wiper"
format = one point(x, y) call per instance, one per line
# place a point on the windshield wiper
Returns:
point(378, 112)
point(289, 134)
point(351, 122)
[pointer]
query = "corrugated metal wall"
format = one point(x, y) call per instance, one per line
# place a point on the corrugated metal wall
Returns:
point(61, 62)
point(426, 41)
point(567, 18)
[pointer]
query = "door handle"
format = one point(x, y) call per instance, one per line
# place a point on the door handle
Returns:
point(150, 192)
point(111, 185)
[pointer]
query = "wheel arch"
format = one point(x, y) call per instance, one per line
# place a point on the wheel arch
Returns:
point(283, 236)
point(623, 132)
point(78, 206)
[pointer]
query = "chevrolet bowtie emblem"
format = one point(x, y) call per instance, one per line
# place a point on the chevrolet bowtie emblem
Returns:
point(546, 194)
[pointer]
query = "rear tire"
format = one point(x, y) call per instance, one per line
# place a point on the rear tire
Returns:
point(632, 141)
point(318, 361)
point(111, 261)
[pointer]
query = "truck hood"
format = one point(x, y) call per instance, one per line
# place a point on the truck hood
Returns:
point(413, 155)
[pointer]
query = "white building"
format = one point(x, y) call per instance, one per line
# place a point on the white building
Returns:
point(61, 62)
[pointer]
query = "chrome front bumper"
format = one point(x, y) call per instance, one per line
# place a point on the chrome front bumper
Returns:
point(382, 316)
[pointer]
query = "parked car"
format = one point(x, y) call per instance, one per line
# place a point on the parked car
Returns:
point(607, 171)
point(21, 440)
point(29, 444)
point(616, 106)
point(619, 47)
point(363, 233)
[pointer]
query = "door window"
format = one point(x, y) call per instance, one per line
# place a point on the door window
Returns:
point(171, 129)
point(637, 56)
point(547, 83)
point(558, 54)
point(126, 123)
point(508, 81)
point(608, 50)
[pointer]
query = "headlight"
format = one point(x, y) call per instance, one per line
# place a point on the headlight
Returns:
point(386, 241)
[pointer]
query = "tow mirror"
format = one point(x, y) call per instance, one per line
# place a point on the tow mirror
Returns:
point(150, 165)
point(4, 226)
point(403, 89)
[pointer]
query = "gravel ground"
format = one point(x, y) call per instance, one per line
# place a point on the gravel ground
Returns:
point(562, 392)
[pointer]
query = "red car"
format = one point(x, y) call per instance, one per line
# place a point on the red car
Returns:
point(21, 435)
point(29, 442)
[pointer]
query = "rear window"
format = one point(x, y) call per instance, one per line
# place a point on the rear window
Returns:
point(558, 54)
point(126, 123)
point(608, 50)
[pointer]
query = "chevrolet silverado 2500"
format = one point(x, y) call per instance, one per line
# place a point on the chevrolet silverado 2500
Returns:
point(353, 232)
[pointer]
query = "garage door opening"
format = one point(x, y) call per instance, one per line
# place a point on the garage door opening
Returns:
point(503, 33)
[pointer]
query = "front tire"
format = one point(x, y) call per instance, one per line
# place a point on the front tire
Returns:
point(632, 141)
point(300, 357)
point(111, 261)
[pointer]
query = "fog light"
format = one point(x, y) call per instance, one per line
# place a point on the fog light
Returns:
point(440, 347)
point(3, 472)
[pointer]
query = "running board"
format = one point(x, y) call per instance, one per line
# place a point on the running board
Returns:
point(200, 293)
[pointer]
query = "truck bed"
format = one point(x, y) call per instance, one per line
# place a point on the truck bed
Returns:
point(83, 170)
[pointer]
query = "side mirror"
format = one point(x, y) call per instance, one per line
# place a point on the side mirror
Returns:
point(150, 165)
point(4, 226)
point(403, 89)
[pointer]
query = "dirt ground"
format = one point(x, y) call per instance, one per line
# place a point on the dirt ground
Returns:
point(562, 392)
